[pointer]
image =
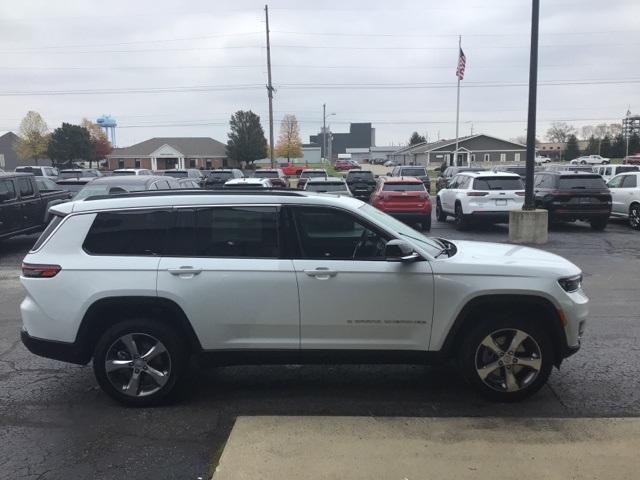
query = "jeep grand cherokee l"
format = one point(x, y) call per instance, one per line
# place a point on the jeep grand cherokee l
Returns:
point(140, 283)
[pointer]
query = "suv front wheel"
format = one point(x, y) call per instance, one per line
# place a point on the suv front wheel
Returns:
point(140, 362)
point(506, 358)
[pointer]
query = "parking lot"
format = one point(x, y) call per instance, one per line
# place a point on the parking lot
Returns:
point(56, 423)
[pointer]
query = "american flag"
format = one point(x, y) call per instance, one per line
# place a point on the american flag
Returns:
point(462, 61)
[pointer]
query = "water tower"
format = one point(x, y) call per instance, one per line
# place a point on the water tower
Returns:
point(109, 124)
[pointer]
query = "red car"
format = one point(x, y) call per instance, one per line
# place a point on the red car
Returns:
point(291, 169)
point(346, 165)
point(405, 198)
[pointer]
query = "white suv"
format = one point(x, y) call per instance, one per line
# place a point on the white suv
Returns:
point(142, 282)
point(480, 197)
point(625, 197)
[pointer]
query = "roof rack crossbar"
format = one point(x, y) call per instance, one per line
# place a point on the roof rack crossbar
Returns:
point(189, 192)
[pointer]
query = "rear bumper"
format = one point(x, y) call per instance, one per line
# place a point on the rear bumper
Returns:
point(490, 216)
point(578, 214)
point(63, 351)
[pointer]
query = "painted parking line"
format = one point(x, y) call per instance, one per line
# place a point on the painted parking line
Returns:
point(431, 448)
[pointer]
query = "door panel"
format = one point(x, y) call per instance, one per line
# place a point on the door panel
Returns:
point(350, 296)
point(10, 210)
point(235, 302)
point(373, 305)
point(222, 265)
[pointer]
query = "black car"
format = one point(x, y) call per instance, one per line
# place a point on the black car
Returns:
point(570, 196)
point(412, 171)
point(361, 183)
point(217, 178)
point(517, 169)
point(445, 177)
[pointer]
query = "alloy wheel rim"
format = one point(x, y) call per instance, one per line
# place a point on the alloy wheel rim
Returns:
point(508, 360)
point(137, 364)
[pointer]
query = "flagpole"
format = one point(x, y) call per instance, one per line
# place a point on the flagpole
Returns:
point(455, 154)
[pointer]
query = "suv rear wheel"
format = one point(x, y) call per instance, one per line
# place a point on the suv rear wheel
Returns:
point(140, 362)
point(507, 358)
point(461, 221)
point(441, 216)
point(634, 216)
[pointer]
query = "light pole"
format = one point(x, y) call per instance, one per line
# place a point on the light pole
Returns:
point(529, 203)
point(324, 130)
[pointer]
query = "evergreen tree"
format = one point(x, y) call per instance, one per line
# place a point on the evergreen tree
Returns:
point(572, 150)
point(416, 138)
point(246, 138)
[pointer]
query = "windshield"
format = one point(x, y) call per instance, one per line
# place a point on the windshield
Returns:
point(313, 174)
point(581, 182)
point(403, 187)
point(432, 246)
point(72, 174)
point(92, 190)
point(498, 183)
point(413, 172)
point(327, 187)
point(122, 173)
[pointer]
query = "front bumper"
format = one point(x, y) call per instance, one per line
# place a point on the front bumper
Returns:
point(63, 351)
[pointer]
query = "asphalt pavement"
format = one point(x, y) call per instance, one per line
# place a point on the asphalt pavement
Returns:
point(55, 423)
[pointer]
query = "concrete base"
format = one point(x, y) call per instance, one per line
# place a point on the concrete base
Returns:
point(529, 226)
point(366, 448)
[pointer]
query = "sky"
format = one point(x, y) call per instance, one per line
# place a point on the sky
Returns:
point(166, 68)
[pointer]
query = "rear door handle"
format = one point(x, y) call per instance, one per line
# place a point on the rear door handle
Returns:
point(184, 271)
point(321, 272)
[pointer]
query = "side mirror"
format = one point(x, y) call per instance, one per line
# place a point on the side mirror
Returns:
point(399, 251)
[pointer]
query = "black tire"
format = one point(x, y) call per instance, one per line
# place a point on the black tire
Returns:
point(599, 224)
point(441, 216)
point(426, 222)
point(634, 216)
point(461, 222)
point(583, 162)
point(471, 350)
point(142, 329)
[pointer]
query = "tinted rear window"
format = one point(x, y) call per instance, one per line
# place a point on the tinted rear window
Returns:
point(35, 171)
point(626, 168)
point(326, 187)
point(498, 183)
point(360, 175)
point(234, 232)
point(220, 176)
point(413, 172)
point(176, 174)
point(403, 187)
point(140, 233)
point(581, 181)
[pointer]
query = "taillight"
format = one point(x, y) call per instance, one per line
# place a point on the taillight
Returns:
point(423, 196)
point(30, 270)
point(477, 194)
point(520, 194)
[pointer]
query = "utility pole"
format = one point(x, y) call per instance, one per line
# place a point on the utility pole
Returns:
point(324, 130)
point(455, 153)
point(269, 90)
point(529, 202)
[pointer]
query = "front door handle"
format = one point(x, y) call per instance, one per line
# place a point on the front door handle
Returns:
point(321, 273)
point(191, 271)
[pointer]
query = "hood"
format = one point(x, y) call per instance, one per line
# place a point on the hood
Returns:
point(506, 259)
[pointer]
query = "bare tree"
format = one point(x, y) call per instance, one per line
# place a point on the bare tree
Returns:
point(34, 137)
point(559, 131)
point(587, 131)
point(615, 129)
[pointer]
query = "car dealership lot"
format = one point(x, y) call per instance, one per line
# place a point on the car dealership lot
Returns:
point(56, 423)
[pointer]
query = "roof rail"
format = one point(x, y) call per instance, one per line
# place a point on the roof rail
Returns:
point(200, 192)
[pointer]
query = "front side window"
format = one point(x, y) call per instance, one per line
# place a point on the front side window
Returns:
point(231, 232)
point(7, 190)
point(616, 182)
point(26, 188)
point(629, 181)
point(137, 233)
point(330, 234)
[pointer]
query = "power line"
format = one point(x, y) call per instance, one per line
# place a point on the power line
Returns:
point(447, 35)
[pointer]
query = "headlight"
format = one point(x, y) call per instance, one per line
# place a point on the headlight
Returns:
point(571, 284)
